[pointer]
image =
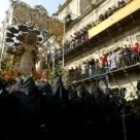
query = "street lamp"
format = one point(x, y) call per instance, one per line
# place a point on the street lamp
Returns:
point(63, 48)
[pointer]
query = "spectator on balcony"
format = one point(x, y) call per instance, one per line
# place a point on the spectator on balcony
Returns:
point(71, 74)
point(121, 3)
point(105, 15)
point(136, 52)
point(72, 42)
point(97, 67)
point(77, 38)
point(76, 73)
point(103, 60)
point(114, 8)
point(119, 57)
point(68, 20)
point(113, 62)
point(90, 71)
point(127, 55)
point(81, 36)
point(136, 47)
point(101, 17)
point(89, 26)
point(97, 22)
point(84, 69)
point(93, 24)
point(108, 61)
point(91, 64)
point(109, 11)
point(85, 30)
point(66, 46)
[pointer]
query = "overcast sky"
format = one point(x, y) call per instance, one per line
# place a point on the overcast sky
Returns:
point(50, 5)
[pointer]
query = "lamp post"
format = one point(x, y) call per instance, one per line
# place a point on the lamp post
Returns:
point(63, 48)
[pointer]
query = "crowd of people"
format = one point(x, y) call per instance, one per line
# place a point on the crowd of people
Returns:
point(82, 35)
point(119, 58)
point(41, 111)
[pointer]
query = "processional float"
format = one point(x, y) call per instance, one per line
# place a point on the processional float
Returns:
point(24, 41)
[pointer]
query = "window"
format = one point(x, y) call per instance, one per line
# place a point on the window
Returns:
point(84, 4)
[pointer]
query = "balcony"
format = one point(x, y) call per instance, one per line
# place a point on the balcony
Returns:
point(115, 18)
point(88, 10)
point(108, 30)
point(96, 72)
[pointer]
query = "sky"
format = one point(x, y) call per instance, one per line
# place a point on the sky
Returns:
point(50, 5)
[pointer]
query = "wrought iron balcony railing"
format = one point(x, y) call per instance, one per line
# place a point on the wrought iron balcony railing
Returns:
point(94, 71)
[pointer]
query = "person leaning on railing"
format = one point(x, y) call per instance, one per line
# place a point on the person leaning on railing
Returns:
point(119, 57)
point(103, 59)
point(136, 49)
point(127, 53)
point(113, 62)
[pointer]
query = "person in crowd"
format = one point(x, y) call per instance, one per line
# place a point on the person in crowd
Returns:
point(93, 24)
point(72, 42)
point(83, 68)
point(91, 67)
point(85, 33)
point(82, 37)
point(113, 61)
point(121, 3)
point(71, 74)
point(108, 61)
point(101, 17)
point(114, 8)
point(97, 67)
point(136, 49)
point(103, 60)
point(109, 11)
point(105, 15)
point(45, 111)
point(76, 39)
point(66, 45)
point(68, 20)
point(127, 55)
point(119, 58)
point(76, 73)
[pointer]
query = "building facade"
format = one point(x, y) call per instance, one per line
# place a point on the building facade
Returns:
point(101, 39)
point(49, 38)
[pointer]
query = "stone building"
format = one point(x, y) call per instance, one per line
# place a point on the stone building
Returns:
point(50, 28)
point(94, 28)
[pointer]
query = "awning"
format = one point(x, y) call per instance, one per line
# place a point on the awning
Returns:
point(116, 17)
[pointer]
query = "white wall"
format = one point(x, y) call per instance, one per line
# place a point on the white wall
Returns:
point(74, 7)
point(130, 39)
point(97, 51)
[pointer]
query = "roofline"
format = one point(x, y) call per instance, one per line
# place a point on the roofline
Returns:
point(63, 6)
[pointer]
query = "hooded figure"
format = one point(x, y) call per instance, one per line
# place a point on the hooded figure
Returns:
point(82, 92)
point(28, 108)
point(4, 117)
point(59, 92)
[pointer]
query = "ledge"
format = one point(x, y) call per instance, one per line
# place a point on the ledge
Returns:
point(84, 14)
point(116, 17)
point(125, 71)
